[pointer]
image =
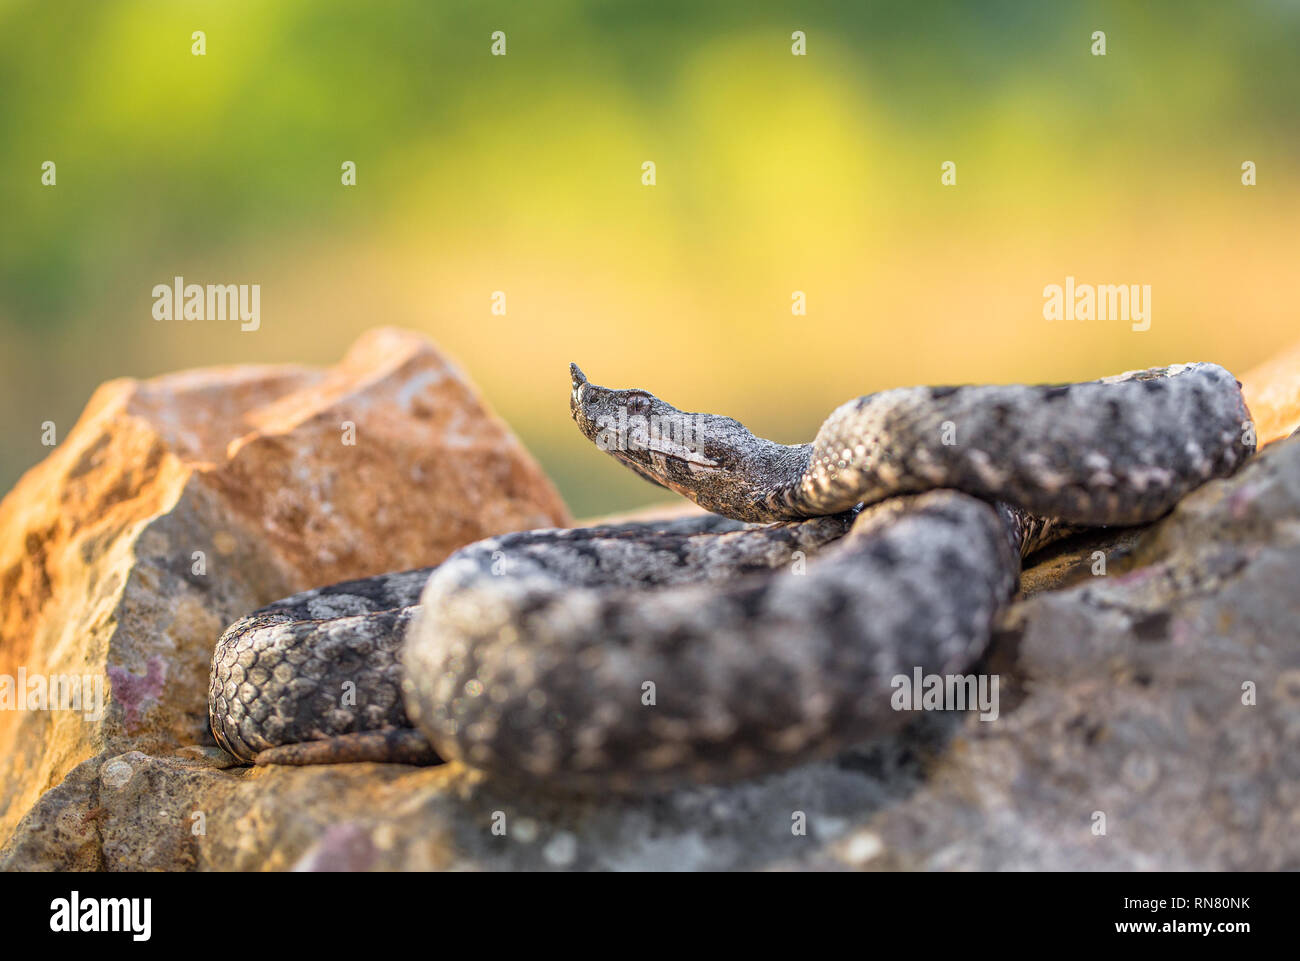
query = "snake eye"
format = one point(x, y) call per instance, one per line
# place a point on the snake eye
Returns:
point(638, 403)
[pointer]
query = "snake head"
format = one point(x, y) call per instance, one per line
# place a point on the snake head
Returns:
point(712, 460)
point(652, 437)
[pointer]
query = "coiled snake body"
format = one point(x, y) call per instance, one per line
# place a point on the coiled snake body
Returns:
point(634, 656)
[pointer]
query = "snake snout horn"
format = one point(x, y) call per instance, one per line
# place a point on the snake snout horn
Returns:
point(579, 378)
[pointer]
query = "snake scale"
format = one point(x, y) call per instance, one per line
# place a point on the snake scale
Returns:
point(631, 657)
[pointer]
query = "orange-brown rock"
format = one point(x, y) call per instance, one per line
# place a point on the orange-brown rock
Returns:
point(177, 504)
point(1272, 393)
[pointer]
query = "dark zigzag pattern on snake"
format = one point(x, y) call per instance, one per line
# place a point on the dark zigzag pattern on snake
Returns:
point(525, 655)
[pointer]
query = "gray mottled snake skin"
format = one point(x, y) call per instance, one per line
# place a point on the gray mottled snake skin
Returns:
point(634, 656)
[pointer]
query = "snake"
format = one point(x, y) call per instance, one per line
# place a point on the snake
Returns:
point(766, 631)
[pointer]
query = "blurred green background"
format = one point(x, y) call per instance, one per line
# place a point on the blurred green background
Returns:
point(522, 173)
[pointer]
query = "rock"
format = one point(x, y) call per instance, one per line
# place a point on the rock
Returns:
point(1272, 393)
point(653, 512)
point(1161, 700)
point(1157, 702)
point(177, 504)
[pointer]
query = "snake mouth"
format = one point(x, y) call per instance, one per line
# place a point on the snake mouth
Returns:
point(667, 450)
